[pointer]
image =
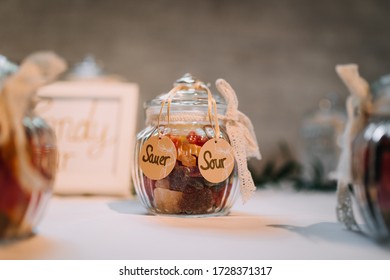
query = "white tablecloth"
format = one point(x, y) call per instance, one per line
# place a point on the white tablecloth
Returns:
point(275, 224)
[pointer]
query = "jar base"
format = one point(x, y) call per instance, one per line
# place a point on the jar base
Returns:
point(206, 215)
point(4, 240)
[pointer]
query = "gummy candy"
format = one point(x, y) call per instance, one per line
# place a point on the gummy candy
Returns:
point(168, 201)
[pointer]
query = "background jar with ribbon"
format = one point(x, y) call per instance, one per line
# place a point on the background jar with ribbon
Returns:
point(28, 152)
point(364, 167)
point(192, 122)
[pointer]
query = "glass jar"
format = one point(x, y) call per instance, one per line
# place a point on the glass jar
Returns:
point(321, 133)
point(184, 192)
point(371, 166)
point(23, 198)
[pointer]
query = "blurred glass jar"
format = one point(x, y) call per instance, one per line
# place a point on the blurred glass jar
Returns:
point(321, 133)
point(371, 166)
point(21, 204)
point(184, 191)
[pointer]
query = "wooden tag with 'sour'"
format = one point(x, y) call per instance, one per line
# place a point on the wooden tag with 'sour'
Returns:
point(216, 160)
point(157, 157)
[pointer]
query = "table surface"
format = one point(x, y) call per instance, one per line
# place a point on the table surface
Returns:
point(275, 224)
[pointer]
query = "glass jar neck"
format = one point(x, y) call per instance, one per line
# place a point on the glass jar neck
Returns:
point(177, 114)
point(189, 118)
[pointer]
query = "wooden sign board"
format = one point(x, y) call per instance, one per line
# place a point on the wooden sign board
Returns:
point(95, 123)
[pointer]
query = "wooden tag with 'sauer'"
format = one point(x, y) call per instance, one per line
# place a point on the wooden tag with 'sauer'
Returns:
point(157, 157)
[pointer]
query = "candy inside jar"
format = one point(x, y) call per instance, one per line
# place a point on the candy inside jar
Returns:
point(185, 190)
point(21, 207)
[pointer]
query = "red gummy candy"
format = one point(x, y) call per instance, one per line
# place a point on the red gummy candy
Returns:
point(192, 137)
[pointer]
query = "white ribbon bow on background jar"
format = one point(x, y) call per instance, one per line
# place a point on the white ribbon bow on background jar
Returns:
point(359, 106)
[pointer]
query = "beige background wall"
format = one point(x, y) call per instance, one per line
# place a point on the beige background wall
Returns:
point(278, 55)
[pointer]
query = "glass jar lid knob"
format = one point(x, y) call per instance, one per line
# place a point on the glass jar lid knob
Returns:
point(189, 80)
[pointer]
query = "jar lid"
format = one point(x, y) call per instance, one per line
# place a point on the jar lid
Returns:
point(381, 95)
point(193, 97)
point(87, 68)
point(6, 67)
point(91, 70)
point(382, 85)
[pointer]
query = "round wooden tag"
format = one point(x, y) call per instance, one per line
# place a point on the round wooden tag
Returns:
point(157, 157)
point(216, 160)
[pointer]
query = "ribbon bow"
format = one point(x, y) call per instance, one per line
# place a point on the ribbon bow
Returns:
point(242, 137)
point(358, 108)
